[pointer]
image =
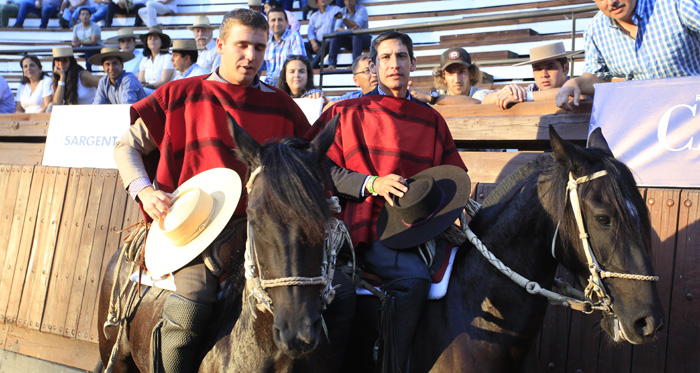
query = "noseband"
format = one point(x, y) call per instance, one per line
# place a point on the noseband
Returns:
point(256, 283)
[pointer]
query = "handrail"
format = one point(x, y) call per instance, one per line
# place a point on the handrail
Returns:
point(464, 21)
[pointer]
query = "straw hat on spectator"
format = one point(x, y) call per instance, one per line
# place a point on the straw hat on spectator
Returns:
point(201, 21)
point(65, 51)
point(123, 33)
point(184, 45)
point(548, 52)
point(202, 207)
point(109, 52)
point(155, 30)
point(254, 3)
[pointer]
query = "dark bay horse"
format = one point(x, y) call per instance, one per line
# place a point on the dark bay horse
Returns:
point(485, 322)
point(270, 316)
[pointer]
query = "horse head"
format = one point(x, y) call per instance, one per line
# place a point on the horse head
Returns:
point(288, 267)
point(609, 248)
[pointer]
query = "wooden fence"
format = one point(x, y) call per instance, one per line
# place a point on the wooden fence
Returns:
point(59, 228)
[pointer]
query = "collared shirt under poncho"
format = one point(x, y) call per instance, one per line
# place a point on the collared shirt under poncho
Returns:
point(188, 122)
point(381, 135)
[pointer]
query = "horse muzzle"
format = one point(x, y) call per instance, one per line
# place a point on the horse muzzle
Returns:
point(298, 340)
point(643, 330)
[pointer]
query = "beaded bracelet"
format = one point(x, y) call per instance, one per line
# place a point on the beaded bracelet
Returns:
point(370, 185)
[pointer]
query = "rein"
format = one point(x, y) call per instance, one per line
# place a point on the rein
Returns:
point(256, 283)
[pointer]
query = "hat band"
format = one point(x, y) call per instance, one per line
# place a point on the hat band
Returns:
point(203, 211)
point(431, 216)
point(199, 229)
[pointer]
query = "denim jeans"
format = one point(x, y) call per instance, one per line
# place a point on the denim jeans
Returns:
point(356, 42)
point(27, 6)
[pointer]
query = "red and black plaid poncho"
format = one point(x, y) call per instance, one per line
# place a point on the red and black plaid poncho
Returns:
point(187, 120)
point(381, 135)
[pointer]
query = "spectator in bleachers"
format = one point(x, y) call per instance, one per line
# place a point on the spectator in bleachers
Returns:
point(86, 33)
point(203, 32)
point(7, 100)
point(127, 43)
point(362, 76)
point(637, 39)
point(283, 42)
point(297, 79)
point(44, 8)
point(292, 22)
point(185, 60)
point(156, 67)
point(72, 85)
point(353, 17)
point(34, 93)
point(119, 86)
point(68, 15)
point(108, 8)
point(320, 23)
point(550, 68)
point(9, 9)
point(154, 8)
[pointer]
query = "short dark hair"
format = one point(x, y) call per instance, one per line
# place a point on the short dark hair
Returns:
point(25, 79)
point(245, 17)
point(563, 61)
point(278, 10)
point(282, 79)
point(193, 54)
point(405, 39)
point(362, 57)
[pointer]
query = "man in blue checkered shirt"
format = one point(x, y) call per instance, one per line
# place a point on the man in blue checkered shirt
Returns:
point(637, 39)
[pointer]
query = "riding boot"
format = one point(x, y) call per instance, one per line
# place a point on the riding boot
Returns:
point(339, 316)
point(183, 324)
point(400, 312)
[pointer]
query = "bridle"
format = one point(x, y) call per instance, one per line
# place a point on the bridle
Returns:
point(256, 283)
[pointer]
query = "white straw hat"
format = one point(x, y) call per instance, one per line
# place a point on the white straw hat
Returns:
point(547, 52)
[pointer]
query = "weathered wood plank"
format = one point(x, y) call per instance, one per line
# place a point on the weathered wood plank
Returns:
point(583, 342)
point(21, 153)
point(519, 128)
point(683, 326)
point(54, 348)
point(525, 108)
point(14, 265)
point(492, 167)
point(7, 260)
point(34, 127)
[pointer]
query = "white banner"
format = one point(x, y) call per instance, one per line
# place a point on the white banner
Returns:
point(311, 107)
point(84, 135)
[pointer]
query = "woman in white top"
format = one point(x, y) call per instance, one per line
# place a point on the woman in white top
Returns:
point(156, 66)
point(34, 94)
point(72, 85)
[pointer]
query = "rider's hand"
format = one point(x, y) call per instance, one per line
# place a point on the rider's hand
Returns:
point(156, 203)
point(569, 89)
point(390, 184)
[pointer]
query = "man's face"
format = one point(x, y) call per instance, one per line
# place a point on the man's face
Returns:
point(127, 44)
point(457, 79)
point(394, 64)
point(202, 35)
point(113, 67)
point(181, 62)
point(549, 74)
point(619, 10)
point(242, 54)
point(84, 16)
point(363, 76)
point(278, 23)
point(350, 3)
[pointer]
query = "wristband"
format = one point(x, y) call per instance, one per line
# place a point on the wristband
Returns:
point(528, 96)
point(61, 83)
point(370, 185)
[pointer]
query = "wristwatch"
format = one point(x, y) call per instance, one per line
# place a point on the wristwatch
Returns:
point(434, 95)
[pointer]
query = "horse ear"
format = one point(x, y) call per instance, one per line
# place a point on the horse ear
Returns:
point(597, 141)
point(246, 147)
point(569, 156)
point(326, 138)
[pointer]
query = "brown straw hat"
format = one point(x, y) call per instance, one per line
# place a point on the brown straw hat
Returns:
point(110, 52)
point(184, 45)
point(548, 52)
point(65, 51)
point(435, 198)
point(155, 30)
point(202, 207)
point(123, 33)
point(201, 21)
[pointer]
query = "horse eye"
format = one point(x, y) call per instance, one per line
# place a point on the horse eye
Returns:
point(603, 220)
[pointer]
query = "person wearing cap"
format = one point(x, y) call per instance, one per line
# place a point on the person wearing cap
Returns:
point(185, 60)
point(634, 40)
point(292, 22)
point(321, 22)
point(156, 66)
point(44, 8)
point(352, 17)
point(204, 36)
point(550, 68)
point(86, 33)
point(154, 8)
point(383, 138)
point(71, 84)
point(182, 130)
point(363, 77)
point(69, 12)
point(118, 86)
point(282, 43)
point(127, 43)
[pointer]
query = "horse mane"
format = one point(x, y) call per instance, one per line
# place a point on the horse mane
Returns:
point(505, 190)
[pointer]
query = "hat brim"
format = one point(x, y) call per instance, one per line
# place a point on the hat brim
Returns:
point(115, 39)
point(165, 40)
point(455, 183)
point(224, 185)
point(202, 26)
point(459, 62)
point(554, 57)
point(97, 59)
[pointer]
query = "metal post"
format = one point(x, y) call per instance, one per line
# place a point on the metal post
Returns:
point(573, 44)
point(320, 72)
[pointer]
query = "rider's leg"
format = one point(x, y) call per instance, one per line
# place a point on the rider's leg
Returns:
point(185, 318)
point(339, 316)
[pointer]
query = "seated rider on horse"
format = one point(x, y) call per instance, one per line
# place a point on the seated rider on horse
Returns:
point(182, 130)
point(383, 138)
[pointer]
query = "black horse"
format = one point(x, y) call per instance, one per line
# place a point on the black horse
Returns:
point(270, 317)
point(485, 322)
